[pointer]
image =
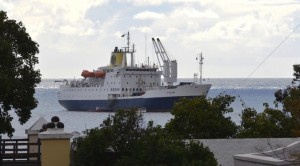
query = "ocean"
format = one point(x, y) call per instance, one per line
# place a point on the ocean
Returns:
point(252, 91)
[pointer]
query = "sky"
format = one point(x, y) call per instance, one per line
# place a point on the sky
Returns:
point(234, 36)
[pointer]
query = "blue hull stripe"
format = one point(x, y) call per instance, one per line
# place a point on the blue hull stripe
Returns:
point(164, 104)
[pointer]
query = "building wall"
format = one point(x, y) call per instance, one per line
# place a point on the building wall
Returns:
point(55, 152)
point(224, 149)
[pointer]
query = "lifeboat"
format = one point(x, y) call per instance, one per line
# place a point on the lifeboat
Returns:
point(86, 73)
point(97, 74)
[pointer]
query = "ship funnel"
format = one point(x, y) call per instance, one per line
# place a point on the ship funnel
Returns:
point(118, 58)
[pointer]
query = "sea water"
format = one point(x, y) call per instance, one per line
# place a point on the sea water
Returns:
point(253, 92)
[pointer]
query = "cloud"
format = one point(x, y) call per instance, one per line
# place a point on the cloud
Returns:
point(40, 16)
point(233, 34)
point(148, 15)
point(189, 12)
point(158, 2)
point(145, 2)
point(6, 5)
point(143, 29)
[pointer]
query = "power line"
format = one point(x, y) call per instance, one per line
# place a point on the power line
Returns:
point(271, 53)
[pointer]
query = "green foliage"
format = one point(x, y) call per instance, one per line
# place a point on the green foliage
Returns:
point(201, 118)
point(275, 122)
point(122, 140)
point(291, 102)
point(271, 123)
point(17, 75)
point(296, 72)
point(126, 127)
point(92, 150)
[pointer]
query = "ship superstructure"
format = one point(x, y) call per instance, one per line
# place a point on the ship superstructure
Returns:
point(122, 86)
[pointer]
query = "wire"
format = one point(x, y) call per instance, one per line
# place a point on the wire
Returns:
point(272, 52)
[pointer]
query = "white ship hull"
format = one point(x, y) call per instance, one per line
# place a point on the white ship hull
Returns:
point(159, 99)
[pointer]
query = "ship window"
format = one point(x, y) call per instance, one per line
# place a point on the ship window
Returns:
point(122, 89)
point(133, 89)
point(151, 76)
point(126, 89)
point(129, 76)
point(127, 82)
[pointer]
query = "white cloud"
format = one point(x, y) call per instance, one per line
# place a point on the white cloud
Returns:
point(158, 2)
point(234, 34)
point(148, 15)
point(40, 16)
point(143, 29)
point(144, 2)
point(5, 5)
point(188, 12)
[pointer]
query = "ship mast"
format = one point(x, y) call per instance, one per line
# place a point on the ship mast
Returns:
point(127, 49)
point(200, 58)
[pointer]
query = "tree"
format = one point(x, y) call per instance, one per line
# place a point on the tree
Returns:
point(290, 97)
point(17, 75)
point(126, 127)
point(271, 123)
point(123, 140)
point(201, 118)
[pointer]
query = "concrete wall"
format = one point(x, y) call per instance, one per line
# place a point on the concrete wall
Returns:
point(285, 156)
point(224, 149)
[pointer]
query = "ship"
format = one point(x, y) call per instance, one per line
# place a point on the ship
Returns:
point(123, 86)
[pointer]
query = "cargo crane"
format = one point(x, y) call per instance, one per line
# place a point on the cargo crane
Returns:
point(168, 66)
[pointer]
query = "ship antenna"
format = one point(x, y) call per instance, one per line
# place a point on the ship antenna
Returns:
point(127, 49)
point(200, 67)
point(128, 41)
